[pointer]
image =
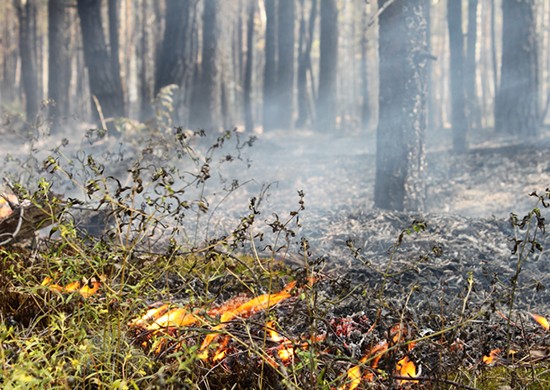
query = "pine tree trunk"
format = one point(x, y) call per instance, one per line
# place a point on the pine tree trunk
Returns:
point(248, 118)
point(400, 155)
point(104, 84)
point(59, 60)
point(114, 43)
point(457, 91)
point(304, 63)
point(328, 67)
point(270, 70)
point(208, 112)
point(285, 65)
point(363, 69)
point(25, 11)
point(517, 108)
point(472, 100)
point(173, 62)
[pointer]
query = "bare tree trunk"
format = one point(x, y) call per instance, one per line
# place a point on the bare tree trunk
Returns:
point(517, 108)
point(172, 61)
point(59, 60)
point(363, 69)
point(103, 82)
point(457, 91)
point(25, 11)
point(248, 118)
point(304, 63)
point(270, 70)
point(472, 100)
point(400, 155)
point(208, 112)
point(285, 65)
point(114, 43)
point(328, 67)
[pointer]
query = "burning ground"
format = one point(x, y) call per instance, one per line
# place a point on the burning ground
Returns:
point(372, 298)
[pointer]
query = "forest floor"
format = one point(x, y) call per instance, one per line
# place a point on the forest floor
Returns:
point(447, 276)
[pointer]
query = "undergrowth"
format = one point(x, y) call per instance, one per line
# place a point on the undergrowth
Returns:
point(146, 221)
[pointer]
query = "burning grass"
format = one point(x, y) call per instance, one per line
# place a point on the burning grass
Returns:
point(126, 310)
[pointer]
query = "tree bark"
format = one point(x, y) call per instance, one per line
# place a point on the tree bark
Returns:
point(248, 118)
point(304, 63)
point(457, 89)
point(328, 67)
point(400, 155)
point(517, 108)
point(472, 100)
point(25, 12)
point(285, 65)
point(173, 57)
point(59, 60)
point(363, 69)
point(104, 84)
point(208, 112)
point(270, 69)
point(114, 43)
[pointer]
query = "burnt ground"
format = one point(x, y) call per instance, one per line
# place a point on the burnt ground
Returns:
point(468, 229)
point(454, 273)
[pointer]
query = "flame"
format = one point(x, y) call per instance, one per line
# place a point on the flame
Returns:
point(285, 350)
point(406, 367)
point(85, 291)
point(72, 287)
point(151, 315)
point(354, 378)
point(222, 349)
point(248, 308)
point(260, 303)
point(542, 321)
point(174, 318)
point(89, 289)
point(492, 357)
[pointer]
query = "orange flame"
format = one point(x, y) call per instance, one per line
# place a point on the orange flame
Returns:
point(492, 357)
point(173, 318)
point(151, 315)
point(252, 306)
point(285, 350)
point(85, 291)
point(406, 368)
point(542, 321)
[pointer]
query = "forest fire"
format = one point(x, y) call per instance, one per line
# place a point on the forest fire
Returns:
point(86, 290)
point(162, 320)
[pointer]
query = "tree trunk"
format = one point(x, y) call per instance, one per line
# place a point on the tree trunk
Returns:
point(517, 108)
point(304, 63)
point(25, 12)
point(114, 43)
point(363, 69)
point(59, 60)
point(248, 118)
point(285, 66)
point(104, 84)
point(270, 70)
point(328, 67)
point(457, 91)
point(172, 61)
point(208, 112)
point(472, 101)
point(400, 156)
